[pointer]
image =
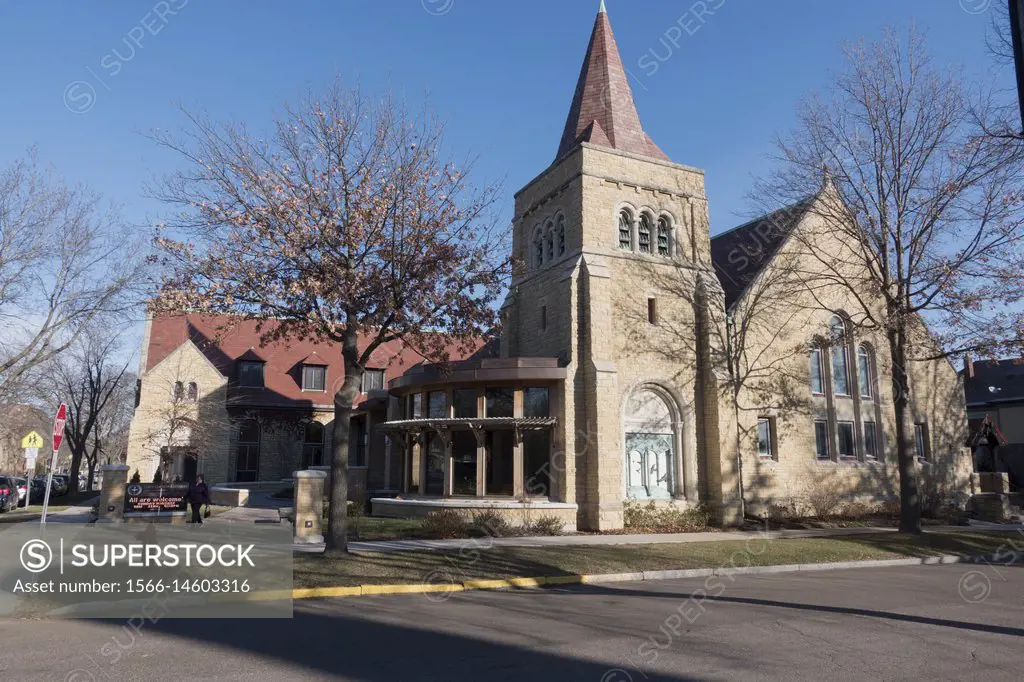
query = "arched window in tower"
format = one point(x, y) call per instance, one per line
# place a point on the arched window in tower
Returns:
point(538, 248)
point(626, 231)
point(663, 237)
point(645, 233)
point(550, 232)
point(561, 235)
point(840, 357)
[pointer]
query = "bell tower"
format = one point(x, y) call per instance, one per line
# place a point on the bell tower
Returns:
point(613, 276)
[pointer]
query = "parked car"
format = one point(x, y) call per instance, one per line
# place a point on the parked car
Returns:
point(40, 482)
point(37, 491)
point(8, 494)
point(61, 484)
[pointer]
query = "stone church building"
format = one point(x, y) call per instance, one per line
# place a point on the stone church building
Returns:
point(612, 382)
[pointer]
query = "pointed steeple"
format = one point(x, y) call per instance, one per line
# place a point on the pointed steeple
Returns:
point(603, 111)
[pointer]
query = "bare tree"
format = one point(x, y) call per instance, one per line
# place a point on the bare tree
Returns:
point(64, 261)
point(346, 226)
point(920, 219)
point(93, 380)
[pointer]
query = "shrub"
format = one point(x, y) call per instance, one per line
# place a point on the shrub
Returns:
point(489, 523)
point(158, 477)
point(136, 478)
point(653, 519)
point(546, 525)
point(445, 524)
point(824, 495)
point(857, 510)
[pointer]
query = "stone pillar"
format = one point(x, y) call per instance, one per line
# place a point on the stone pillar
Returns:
point(309, 507)
point(111, 504)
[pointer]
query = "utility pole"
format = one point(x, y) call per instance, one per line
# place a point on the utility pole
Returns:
point(1017, 34)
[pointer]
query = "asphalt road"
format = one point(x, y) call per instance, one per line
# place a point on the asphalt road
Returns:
point(953, 622)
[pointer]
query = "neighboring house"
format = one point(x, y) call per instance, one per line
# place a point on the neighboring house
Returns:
point(610, 386)
point(995, 388)
point(213, 400)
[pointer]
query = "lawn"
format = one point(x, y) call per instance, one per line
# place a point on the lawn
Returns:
point(483, 563)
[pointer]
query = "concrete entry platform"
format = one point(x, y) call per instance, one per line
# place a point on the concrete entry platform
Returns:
point(516, 512)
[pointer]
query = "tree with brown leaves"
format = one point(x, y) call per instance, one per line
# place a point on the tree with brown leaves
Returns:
point(345, 224)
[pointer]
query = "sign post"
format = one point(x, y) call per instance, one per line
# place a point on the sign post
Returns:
point(59, 421)
point(31, 444)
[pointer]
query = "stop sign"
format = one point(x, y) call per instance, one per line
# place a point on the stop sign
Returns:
point(58, 426)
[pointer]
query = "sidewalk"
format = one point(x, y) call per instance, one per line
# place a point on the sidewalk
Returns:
point(69, 515)
point(583, 540)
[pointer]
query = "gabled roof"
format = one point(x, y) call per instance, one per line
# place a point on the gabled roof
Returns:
point(603, 112)
point(314, 360)
point(225, 340)
point(740, 254)
point(994, 382)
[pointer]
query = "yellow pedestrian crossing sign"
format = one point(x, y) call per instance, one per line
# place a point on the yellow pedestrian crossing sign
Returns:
point(32, 440)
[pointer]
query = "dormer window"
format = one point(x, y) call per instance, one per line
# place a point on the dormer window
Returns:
point(314, 378)
point(250, 374)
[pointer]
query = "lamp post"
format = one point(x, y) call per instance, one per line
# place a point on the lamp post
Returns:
point(1017, 34)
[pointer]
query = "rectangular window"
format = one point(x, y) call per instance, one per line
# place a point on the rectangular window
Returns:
point(500, 402)
point(870, 441)
point(543, 318)
point(652, 310)
point(817, 375)
point(536, 402)
point(416, 406)
point(764, 438)
point(840, 371)
point(437, 405)
point(847, 446)
point(821, 447)
point(373, 380)
point(250, 374)
point(464, 404)
point(314, 378)
point(921, 441)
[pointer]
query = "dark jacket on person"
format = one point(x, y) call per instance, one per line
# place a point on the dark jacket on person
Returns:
point(198, 493)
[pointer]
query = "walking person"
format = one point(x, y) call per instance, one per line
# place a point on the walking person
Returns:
point(198, 495)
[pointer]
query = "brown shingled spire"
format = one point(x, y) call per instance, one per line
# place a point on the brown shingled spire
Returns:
point(603, 111)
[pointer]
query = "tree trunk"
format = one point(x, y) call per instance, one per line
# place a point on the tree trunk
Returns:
point(76, 467)
point(91, 466)
point(910, 502)
point(336, 539)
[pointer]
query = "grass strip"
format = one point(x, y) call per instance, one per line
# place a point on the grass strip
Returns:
point(497, 563)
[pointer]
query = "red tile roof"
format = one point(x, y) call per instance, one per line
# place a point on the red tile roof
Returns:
point(603, 111)
point(225, 340)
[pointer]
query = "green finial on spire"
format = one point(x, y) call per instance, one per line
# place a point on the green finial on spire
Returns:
point(603, 9)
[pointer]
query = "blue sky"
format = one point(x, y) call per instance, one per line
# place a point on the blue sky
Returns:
point(501, 73)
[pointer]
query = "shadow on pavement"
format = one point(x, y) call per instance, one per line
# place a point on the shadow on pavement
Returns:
point(368, 650)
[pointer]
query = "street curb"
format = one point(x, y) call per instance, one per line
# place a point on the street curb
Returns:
point(587, 579)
